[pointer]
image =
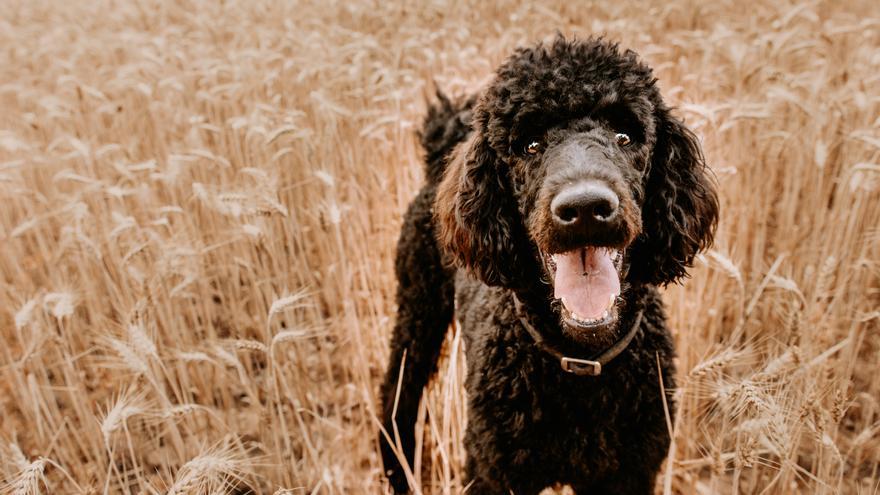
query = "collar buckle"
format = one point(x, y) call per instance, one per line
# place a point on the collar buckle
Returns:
point(582, 367)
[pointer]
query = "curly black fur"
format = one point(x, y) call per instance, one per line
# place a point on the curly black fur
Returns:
point(473, 240)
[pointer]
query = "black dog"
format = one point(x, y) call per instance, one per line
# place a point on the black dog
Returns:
point(564, 194)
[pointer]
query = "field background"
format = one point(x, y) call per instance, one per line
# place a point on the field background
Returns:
point(200, 202)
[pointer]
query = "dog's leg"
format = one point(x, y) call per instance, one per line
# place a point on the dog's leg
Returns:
point(635, 485)
point(425, 307)
point(483, 486)
point(630, 481)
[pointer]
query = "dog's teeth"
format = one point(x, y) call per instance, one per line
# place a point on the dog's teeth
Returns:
point(605, 315)
point(583, 319)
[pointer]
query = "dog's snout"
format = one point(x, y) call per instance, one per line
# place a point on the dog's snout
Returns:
point(585, 205)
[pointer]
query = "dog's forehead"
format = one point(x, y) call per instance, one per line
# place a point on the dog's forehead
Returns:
point(564, 65)
point(567, 79)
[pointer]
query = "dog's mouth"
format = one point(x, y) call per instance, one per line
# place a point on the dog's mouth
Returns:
point(586, 281)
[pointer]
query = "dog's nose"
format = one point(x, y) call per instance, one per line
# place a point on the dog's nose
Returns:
point(585, 205)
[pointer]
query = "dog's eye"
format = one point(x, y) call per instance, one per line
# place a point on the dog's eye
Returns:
point(622, 139)
point(533, 147)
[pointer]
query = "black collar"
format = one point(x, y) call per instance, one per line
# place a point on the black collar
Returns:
point(578, 366)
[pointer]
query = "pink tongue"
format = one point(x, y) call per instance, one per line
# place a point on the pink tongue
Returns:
point(585, 281)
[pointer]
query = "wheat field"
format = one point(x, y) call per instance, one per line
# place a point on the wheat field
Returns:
point(200, 202)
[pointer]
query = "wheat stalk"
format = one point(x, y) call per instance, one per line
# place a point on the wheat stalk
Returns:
point(219, 466)
point(29, 480)
point(127, 405)
point(285, 303)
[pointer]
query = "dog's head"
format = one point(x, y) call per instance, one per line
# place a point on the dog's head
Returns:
point(576, 171)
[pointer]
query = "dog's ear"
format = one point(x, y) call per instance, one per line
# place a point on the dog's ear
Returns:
point(475, 211)
point(680, 210)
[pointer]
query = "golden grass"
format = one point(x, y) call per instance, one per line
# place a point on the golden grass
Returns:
point(201, 200)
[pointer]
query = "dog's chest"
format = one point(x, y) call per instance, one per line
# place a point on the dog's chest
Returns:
point(536, 409)
point(546, 425)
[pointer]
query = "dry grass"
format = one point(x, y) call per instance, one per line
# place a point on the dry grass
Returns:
point(201, 200)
